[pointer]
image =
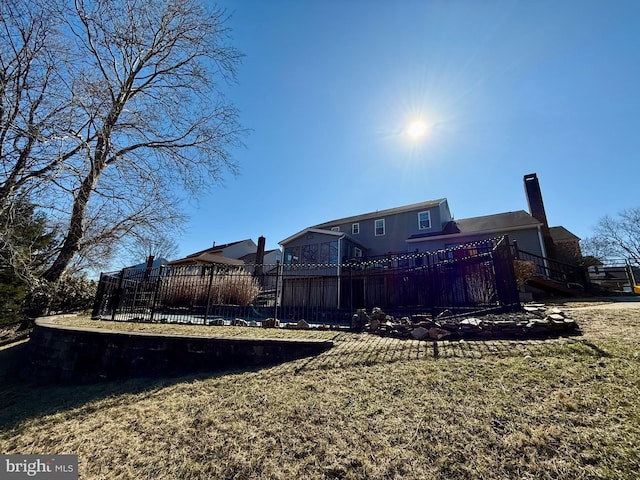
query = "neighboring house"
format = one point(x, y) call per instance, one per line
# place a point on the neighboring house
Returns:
point(158, 262)
point(271, 257)
point(243, 252)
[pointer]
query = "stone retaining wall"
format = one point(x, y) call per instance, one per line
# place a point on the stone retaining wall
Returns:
point(63, 354)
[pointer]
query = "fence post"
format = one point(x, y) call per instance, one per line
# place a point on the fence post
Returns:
point(155, 293)
point(206, 312)
point(97, 308)
point(118, 296)
point(275, 303)
point(506, 286)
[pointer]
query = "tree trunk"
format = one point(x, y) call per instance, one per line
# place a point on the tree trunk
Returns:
point(71, 243)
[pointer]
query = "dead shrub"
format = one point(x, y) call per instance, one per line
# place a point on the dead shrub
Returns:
point(524, 271)
point(226, 287)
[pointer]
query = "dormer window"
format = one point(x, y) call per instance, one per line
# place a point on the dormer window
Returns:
point(335, 229)
point(424, 220)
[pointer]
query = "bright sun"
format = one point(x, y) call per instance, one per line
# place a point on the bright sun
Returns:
point(417, 129)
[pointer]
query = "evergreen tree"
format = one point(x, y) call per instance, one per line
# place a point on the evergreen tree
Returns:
point(25, 250)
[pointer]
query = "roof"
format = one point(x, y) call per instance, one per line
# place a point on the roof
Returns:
point(338, 236)
point(382, 213)
point(561, 234)
point(207, 258)
point(499, 222)
point(217, 248)
point(311, 230)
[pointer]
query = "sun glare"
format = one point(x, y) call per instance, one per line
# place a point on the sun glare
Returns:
point(417, 129)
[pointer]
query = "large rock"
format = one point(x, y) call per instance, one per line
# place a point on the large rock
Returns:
point(438, 333)
point(420, 333)
point(303, 325)
point(359, 320)
point(471, 321)
point(271, 323)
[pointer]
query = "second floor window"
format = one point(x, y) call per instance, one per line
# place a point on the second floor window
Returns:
point(379, 224)
point(424, 220)
point(355, 229)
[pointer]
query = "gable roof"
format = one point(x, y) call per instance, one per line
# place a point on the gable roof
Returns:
point(499, 222)
point(311, 230)
point(381, 213)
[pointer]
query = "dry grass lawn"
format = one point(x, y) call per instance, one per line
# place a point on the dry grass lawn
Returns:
point(370, 408)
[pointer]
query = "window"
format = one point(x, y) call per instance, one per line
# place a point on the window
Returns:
point(335, 229)
point(309, 253)
point(292, 255)
point(355, 228)
point(379, 227)
point(329, 252)
point(424, 220)
point(357, 252)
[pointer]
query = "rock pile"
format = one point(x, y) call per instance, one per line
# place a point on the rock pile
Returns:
point(535, 321)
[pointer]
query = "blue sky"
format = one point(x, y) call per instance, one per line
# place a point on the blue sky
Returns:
point(507, 88)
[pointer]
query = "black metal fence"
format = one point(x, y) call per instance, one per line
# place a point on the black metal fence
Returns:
point(478, 276)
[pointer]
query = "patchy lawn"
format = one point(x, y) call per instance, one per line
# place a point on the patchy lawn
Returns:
point(369, 408)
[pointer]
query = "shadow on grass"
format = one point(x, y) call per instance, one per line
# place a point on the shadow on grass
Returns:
point(365, 349)
point(22, 400)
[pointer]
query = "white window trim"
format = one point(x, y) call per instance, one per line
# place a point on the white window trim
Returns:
point(375, 227)
point(355, 229)
point(335, 229)
point(420, 227)
point(357, 252)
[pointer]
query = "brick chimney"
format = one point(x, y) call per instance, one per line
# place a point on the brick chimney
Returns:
point(260, 255)
point(536, 209)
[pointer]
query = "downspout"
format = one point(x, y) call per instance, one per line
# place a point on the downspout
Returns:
point(339, 268)
point(544, 251)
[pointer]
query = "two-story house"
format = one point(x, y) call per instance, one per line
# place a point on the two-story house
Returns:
point(416, 228)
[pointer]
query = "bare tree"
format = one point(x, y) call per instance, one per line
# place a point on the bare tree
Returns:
point(34, 106)
point(30, 100)
point(151, 112)
point(158, 245)
point(616, 238)
point(130, 110)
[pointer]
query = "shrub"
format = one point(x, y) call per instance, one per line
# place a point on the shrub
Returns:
point(524, 271)
point(235, 290)
point(69, 294)
point(231, 287)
